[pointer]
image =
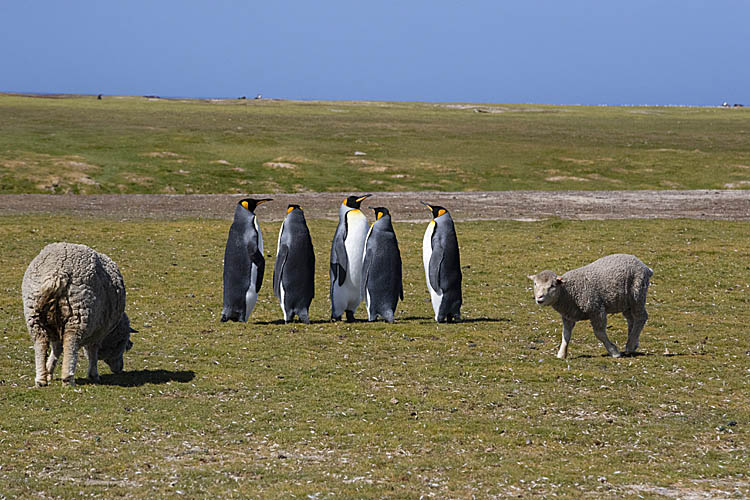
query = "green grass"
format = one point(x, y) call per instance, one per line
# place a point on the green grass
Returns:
point(335, 410)
point(135, 145)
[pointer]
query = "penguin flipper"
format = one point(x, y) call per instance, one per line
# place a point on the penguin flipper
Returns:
point(278, 268)
point(339, 260)
point(399, 266)
point(436, 261)
point(365, 273)
point(260, 262)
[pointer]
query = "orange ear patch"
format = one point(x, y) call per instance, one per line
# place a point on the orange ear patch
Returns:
point(441, 212)
point(289, 210)
point(246, 205)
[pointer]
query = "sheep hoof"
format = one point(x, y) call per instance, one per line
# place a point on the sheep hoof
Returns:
point(562, 355)
point(95, 379)
point(40, 383)
point(69, 381)
point(615, 354)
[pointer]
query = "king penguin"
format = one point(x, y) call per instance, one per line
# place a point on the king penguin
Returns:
point(243, 262)
point(294, 271)
point(442, 265)
point(347, 250)
point(381, 268)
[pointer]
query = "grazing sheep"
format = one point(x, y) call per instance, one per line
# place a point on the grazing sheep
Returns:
point(74, 296)
point(612, 284)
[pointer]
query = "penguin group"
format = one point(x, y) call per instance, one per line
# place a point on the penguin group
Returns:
point(365, 264)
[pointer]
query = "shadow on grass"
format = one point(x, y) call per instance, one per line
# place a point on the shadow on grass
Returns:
point(633, 355)
point(138, 378)
point(425, 319)
point(291, 323)
point(417, 319)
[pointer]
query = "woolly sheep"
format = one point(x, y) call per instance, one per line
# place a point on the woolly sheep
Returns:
point(612, 284)
point(74, 296)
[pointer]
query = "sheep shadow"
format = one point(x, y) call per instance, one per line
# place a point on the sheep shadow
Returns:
point(636, 354)
point(137, 378)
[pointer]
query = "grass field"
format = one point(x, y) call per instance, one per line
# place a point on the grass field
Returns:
point(331, 410)
point(137, 145)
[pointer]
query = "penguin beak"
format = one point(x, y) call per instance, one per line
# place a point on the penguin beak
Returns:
point(427, 205)
point(260, 202)
point(360, 200)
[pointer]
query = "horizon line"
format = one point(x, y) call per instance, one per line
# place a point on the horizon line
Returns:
point(260, 97)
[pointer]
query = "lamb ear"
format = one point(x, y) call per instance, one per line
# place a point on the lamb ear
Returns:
point(531, 277)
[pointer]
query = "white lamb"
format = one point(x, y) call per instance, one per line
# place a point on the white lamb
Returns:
point(74, 296)
point(612, 284)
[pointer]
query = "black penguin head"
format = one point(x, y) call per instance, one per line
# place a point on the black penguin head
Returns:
point(292, 207)
point(436, 210)
point(380, 212)
point(251, 203)
point(355, 201)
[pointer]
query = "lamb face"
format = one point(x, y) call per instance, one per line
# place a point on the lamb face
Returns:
point(547, 286)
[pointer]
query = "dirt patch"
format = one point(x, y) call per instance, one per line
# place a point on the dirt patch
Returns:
point(373, 169)
point(280, 164)
point(598, 177)
point(492, 109)
point(560, 178)
point(696, 490)
point(739, 184)
point(162, 154)
point(405, 206)
point(578, 161)
point(56, 174)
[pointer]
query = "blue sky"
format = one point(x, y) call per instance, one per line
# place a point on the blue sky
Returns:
point(533, 51)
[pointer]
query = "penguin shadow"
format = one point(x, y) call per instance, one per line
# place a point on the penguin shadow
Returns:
point(281, 322)
point(138, 378)
point(485, 320)
point(431, 319)
point(406, 319)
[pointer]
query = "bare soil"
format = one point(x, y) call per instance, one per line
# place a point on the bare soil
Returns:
point(404, 206)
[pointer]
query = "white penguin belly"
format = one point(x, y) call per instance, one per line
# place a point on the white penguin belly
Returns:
point(251, 296)
point(357, 228)
point(283, 294)
point(435, 296)
point(281, 281)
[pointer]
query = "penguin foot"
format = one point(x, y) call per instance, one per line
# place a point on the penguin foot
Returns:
point(231, 316)
point(335, 318)
point(349, 316)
